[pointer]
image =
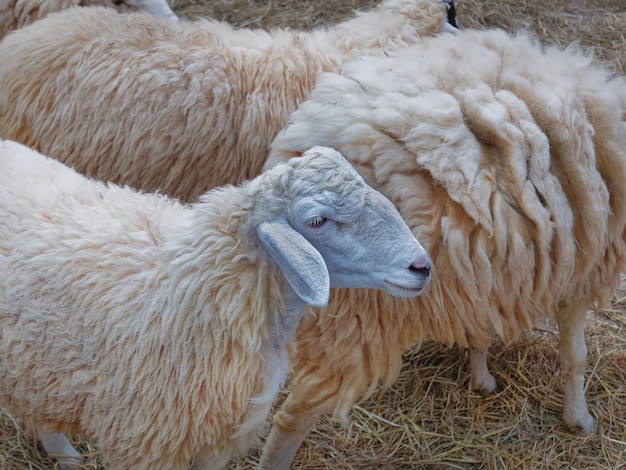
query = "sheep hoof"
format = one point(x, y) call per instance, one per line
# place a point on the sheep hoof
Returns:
point(485, 385)
point(581, 426)
point(59, 446)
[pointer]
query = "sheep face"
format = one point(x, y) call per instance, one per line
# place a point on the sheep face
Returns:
point(356, 232)
point(363, 241)
point(155, 7)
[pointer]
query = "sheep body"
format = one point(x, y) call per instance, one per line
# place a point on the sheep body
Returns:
point(508, 161)
point(158, 330)
point(141, 101)
point(16, 14)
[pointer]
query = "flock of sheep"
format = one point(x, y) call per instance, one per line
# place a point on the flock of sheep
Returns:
point(155, 320)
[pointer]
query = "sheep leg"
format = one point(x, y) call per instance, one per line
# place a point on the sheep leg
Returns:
point(59, 447)
point(290, 427)
point(481, 379)
point(573, 359)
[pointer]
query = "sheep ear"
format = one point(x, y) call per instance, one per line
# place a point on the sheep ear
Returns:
point(300, 262)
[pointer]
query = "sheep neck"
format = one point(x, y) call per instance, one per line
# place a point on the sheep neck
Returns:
point(276, 364)
point(218, 269)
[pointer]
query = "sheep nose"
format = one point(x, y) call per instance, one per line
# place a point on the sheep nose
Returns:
point(422, 268)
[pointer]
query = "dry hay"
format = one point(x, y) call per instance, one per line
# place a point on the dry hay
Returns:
point(429, 419)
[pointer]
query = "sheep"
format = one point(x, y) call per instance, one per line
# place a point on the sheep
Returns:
point(159, 329)
point(140, 101)
point(508, 162)
point(15, 14)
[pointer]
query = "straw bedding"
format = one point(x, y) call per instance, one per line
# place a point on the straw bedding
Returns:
point(430, 419)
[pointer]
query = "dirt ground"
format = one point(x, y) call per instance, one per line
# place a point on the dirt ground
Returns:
point(429, 419)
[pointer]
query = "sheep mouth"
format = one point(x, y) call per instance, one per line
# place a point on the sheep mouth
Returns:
point(414, 290)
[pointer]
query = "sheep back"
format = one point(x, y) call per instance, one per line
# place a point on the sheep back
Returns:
point(17, 13)
point(167, 97)
point(178, 107)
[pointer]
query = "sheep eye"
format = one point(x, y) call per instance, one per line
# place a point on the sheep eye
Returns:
point(317, 221)
point(118, 2)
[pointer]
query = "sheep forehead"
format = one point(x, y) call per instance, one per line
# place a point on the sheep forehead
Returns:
point(320, 178)
point(325, 176)
point(322, 159)
point(319, 169)
point(346, 200)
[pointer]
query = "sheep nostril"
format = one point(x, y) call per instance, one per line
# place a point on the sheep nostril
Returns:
point(420, 268)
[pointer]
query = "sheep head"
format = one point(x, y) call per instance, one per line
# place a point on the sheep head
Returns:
point(325, 227)
point(155, 7)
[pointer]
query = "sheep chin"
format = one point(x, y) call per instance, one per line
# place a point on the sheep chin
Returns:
point(398, 290)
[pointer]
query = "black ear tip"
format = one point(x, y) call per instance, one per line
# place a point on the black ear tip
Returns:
point(451, 13)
